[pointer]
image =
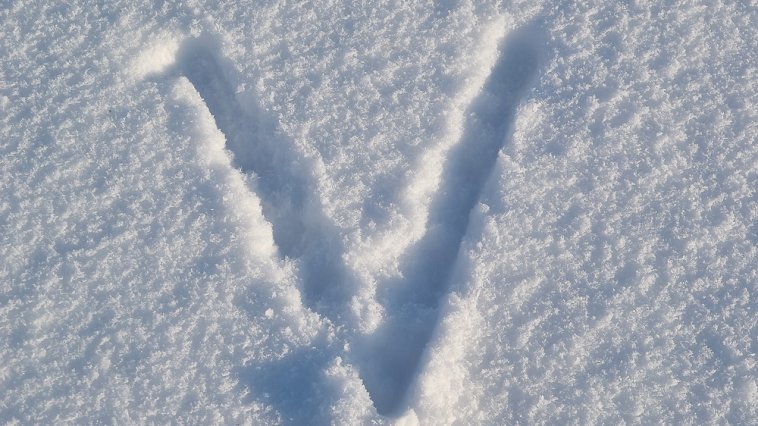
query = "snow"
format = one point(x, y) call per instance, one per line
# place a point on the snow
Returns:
point(451, 212)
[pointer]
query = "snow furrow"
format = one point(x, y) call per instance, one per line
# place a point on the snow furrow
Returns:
point(301, 231)
point(394, 351)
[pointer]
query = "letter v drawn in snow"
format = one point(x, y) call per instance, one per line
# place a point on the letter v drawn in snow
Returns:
point(389, 358)
point(392, 354)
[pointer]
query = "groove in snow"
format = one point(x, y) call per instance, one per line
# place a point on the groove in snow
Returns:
point(392, 354)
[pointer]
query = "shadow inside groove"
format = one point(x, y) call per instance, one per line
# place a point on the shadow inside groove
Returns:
point(300, 229)
point(391, 356)
point(388, 359)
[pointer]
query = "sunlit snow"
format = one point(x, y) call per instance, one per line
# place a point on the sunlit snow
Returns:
point(378, 212)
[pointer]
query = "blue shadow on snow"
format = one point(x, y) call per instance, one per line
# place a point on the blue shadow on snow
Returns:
point(392, 355)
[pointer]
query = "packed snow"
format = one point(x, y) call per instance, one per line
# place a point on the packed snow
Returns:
point(378, 212)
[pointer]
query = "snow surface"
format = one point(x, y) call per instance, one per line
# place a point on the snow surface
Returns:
point(411, 212)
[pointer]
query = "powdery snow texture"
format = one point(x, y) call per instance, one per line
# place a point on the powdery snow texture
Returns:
point(395, 212)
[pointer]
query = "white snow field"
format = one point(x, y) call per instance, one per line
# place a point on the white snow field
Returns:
point(378, 212)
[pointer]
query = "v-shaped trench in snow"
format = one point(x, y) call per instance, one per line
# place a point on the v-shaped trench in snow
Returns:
point(389, 358)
